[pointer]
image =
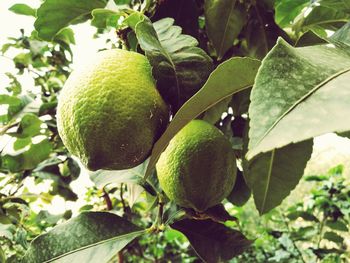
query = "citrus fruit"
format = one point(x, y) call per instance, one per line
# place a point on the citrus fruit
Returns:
point(109, 112)
point(198, 168)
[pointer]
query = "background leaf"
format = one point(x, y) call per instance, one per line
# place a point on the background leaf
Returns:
point(272, 175)
point(224, 20)
point(240, 193)
point(179, 66)
point(294, 80)
point(23, 9)
point(213, 242)
point(54, 15)
point(89, 237)
point(229, 77)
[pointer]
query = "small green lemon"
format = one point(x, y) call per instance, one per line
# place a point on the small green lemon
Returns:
point(198, 168)
point(109, 112)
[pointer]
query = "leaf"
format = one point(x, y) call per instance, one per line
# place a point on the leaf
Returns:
point(29, 126)
point(272, 175)
point(66, 35)
point(54, 15)
point(286, 11)
point(224, 21)
point(332, 236)
point(27, 159)
point(341, 37)
point(240, 193)
point(102, 18)
point(293, 83)
point(179, 66)
point(133, 176)
point(337, 225)
point(23, 9)
point(230, 77)
point(89, 237)
point(214, 114)
point(213, 242)
point(323, 14)
point(307, 216)
point(261, 31)
point(102, 178)
point(184, 12)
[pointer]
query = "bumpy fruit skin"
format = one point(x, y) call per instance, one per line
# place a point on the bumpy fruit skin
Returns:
point(198, 168)
point(110, 113)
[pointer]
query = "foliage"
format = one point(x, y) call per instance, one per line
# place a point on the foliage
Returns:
point(312, 230)
point(269, 110)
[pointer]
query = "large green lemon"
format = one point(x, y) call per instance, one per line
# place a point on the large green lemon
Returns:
point(109, 111)
point(198, 168)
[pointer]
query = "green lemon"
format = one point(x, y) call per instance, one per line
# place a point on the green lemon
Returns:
point(198, 168)
point(109, 112)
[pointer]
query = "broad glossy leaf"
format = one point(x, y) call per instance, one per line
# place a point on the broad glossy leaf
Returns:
point(260, 32)
point(89, 237)
point(271, 176)
point(214, 114)
point(102, 18)
point(299, 93)
point(184, 12)
point(332, 236)
point(324, 13)
point(23, 9)
point(224, 21)
point(287, 10)
point(337, 225)
point(54, 15)
point(341, 37)
point(231, 76)
point(240, 193)
point(29, 126)
point(179, 66)
point(26, 159)
point(104, 177)
point(213, 242)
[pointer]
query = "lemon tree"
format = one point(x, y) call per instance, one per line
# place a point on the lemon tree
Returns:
point(191, 109)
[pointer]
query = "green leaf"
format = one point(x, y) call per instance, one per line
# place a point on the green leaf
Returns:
point(272, 175)
point(261, 31)
point(286, 11)
point(89, 237)
point(341, 37)
point(293, 83)
point(66, 35)
point(213, 242)
point(230, 77)
point(179, 66)
point(54, 15)
point(322, 14)
point(214, 114)
point(23, 9)
point(332, 236)
point(303, 214)
point(240, 193)
point(224, 21)
point(337, 225)
point(184, 12)
point(103, 18)
point(26, 159)
point(134, 176)
point(29, 126)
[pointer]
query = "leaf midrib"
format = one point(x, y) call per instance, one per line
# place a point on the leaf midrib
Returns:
point(226, 27)
point(292, 107)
